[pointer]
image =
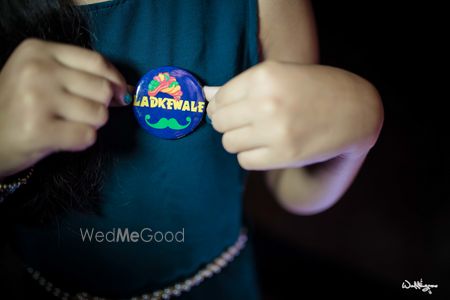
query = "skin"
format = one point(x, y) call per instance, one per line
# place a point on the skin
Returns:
point(84, 2)
point(54, 97)
point(308, 126)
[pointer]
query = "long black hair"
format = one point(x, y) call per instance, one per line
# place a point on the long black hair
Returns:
point(62, 181)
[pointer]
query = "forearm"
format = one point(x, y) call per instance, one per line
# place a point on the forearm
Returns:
point(314, 188)
point(328, 158)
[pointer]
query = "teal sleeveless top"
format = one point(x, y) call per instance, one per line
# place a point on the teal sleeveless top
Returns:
point(189, 185)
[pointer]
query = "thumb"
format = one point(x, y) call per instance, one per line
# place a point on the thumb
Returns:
point(122, 98)
point(210, 92)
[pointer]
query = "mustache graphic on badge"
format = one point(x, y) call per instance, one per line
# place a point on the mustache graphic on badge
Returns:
point(169, 103)
point(164, 123)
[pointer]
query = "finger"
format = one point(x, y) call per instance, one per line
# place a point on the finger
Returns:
point(255, 159)
point(128, 98)
point(233, 91)
point(210, 92)
point(91, 62)
point(87, 85)
point(88, 61)
point(242, 139)
point(63, 135)
point(77, 109)
point(232, 116)
point(121, 96)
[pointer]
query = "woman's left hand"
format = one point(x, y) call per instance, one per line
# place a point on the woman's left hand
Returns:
point(279, 115)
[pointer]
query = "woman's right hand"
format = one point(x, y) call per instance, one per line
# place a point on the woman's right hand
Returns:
point(53, 97)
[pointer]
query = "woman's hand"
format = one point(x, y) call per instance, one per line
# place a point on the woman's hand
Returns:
point(53, 97)
point(278, 115)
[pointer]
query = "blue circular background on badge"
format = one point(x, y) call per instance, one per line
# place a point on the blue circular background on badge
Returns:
point(169, 102)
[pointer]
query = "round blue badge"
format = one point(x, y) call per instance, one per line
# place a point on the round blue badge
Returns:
point(169, 102)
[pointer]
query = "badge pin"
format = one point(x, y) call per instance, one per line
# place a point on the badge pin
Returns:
point(169, 102)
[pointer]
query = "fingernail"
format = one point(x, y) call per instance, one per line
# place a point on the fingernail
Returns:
point(127, 98)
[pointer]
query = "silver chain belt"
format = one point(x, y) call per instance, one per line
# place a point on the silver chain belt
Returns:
point(174, 290)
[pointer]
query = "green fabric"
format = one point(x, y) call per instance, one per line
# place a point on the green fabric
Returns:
point(166, 185)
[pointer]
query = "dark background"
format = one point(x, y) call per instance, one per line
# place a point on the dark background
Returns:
point(393, 224)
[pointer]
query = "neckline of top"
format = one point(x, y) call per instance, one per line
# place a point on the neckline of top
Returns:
point(94, 7)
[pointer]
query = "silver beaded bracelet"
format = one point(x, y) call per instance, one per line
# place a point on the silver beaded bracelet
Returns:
point(167, 293)
point(7, 189)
